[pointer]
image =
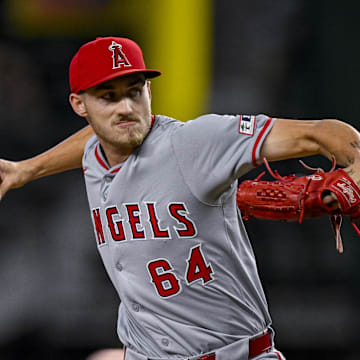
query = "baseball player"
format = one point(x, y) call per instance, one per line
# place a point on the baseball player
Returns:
point(162, 198)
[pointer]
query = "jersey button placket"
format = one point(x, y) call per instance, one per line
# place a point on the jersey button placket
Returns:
point(105, 194)
point(119, 266)
point(105, 186)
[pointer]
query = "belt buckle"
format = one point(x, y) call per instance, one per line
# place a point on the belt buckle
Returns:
point(211, 356)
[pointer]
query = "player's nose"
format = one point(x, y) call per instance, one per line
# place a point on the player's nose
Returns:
point(124, 106)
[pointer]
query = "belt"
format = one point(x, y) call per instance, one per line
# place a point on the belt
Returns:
point(259, 345)
point(256, 347)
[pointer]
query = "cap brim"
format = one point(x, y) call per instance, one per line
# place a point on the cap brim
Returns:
point(149, 74)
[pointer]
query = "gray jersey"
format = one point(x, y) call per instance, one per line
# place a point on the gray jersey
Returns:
point(171, 236)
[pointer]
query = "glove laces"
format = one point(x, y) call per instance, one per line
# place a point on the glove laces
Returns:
point(336, 219)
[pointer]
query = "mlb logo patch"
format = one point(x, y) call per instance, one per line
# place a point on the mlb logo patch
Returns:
point(247, 124)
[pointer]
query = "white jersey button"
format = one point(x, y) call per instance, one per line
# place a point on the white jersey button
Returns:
point(119, 266)
point(165, 342)
point(105, 194)
point(106, 183)
point(136, 307)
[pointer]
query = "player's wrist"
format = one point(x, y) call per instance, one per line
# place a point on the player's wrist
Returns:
point(354, 172)
point(28, 170)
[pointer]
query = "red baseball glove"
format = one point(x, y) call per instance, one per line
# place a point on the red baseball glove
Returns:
point(296, 198)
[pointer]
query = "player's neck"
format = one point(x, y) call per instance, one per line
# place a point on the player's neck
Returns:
point(115, 156)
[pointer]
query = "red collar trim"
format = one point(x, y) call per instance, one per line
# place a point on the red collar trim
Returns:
point(152, 122)
point(115, 170)
point(99, 159)
point(102, 162)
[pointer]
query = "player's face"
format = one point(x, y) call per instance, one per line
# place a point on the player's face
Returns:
point(119, 110)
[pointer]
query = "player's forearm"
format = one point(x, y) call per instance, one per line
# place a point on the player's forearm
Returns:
point(66, 155)
point(337, 138)
point(341, 140)
point(296, 138)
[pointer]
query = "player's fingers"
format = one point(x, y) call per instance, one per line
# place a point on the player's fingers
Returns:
point(2, 192)
point(4, 188)
point(331, 201)
point(2, 178)
point(107, 354)
point(10, 176)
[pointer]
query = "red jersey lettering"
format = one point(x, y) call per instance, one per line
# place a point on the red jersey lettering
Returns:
point(179, 212)
point(116, 227)
point(134, 221)
point(98, 226)
point(154, 221)
point(162, 276)
point(197, 267)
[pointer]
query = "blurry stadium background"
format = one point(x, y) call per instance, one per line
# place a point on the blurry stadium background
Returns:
point(285, 58)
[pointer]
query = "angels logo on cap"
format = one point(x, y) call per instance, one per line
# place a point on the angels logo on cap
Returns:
point(104, 59)
point(119, 58)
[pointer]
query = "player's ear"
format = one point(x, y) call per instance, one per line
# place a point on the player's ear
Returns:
point(148, 85)
point(77, 104)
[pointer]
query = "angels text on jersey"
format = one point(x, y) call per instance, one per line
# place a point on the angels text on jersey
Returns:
point(131, 227)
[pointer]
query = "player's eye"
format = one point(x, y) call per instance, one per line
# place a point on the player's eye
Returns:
point(135, 92)
point(108, 96)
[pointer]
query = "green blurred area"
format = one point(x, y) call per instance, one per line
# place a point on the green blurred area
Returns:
point(176, 37)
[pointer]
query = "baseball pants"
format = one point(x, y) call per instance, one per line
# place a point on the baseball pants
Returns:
point(260, 347)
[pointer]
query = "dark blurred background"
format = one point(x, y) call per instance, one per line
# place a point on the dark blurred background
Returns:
point(284, 58)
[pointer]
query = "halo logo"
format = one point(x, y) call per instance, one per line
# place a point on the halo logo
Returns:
point(119, 58)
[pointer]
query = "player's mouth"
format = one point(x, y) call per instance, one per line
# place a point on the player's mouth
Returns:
point(125, 123)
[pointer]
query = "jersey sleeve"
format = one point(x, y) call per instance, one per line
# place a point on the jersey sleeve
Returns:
point(214, 150)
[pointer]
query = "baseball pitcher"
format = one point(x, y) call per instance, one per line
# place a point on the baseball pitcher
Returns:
point(164, 204)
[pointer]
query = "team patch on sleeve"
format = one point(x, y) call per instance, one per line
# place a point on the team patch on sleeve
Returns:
point(247, 124)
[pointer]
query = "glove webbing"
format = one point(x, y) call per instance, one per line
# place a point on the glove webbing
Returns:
point(336, 219)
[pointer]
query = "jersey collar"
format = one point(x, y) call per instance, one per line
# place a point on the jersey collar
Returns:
point(101, 160)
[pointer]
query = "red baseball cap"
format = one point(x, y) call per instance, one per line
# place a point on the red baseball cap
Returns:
point(106, 58)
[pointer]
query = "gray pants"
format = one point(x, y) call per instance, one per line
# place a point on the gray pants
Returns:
point(238, 350)
point(240, 353)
